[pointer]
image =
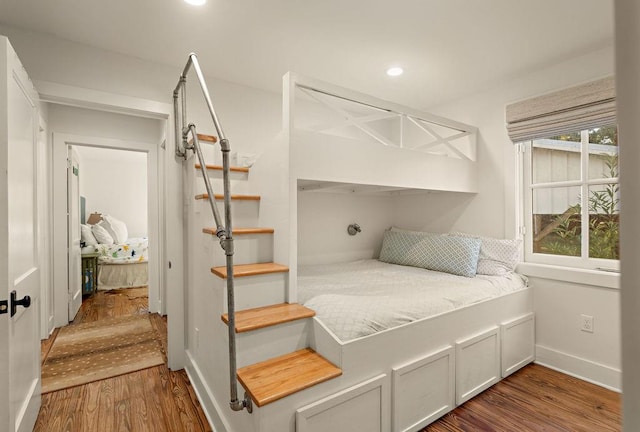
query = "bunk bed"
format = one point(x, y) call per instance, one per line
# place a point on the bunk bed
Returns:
point(430, 356)
point(401, 376)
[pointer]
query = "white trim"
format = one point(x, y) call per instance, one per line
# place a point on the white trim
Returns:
point(94, 99)
point(586, 370)
point(205, 395)
point(598, 278)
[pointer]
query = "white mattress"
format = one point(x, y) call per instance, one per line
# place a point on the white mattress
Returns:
point(363, 297)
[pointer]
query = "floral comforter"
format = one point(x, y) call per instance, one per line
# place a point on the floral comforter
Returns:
point(134, 250)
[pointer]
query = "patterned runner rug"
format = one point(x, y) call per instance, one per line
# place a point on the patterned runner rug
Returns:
point(98, 350)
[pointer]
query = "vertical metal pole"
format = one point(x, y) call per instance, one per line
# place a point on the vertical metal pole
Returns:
point(183, 92)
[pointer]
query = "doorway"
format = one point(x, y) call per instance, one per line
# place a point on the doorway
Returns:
point(112, 190)
point(137, 137)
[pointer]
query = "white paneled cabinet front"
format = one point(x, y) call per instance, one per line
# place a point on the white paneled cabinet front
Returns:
point(518, 341)
point(423, 390)
point(477, 364)
point(361, 408)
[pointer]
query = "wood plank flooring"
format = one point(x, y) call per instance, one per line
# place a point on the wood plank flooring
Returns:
point(536, 399)
point(154, 399)
point(157, 399)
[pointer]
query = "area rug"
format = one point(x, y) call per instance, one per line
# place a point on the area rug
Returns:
point(93, 351)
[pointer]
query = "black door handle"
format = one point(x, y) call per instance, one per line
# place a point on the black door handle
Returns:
point(24, 302)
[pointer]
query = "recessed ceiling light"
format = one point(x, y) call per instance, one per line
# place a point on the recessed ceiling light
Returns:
point(196, 2)
point(394, 71)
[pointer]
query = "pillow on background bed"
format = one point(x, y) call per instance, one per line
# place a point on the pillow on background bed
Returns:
point(449, 254)
point(497, 256)
point(116, 228)
point(101, 235)
point(87, 236)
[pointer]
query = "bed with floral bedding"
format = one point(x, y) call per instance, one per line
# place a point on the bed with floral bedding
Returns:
point(133, 250)
point(122, 261)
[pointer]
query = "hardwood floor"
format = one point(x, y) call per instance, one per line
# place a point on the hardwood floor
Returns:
point(158, 400)
point(536, 399)
point(154, 399)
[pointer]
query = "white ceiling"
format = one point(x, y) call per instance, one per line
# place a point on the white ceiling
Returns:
point(448, 48)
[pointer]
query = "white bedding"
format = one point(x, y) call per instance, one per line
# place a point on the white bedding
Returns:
point(363, 297)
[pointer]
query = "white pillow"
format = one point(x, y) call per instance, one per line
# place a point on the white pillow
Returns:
point(497, 256)
point(116, 228)
point(86, 236)
point(101, 235)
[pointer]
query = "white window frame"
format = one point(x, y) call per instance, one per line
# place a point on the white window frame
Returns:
point(526, 211)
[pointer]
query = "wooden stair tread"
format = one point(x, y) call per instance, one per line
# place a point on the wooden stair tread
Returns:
point(207, 138)
point(261, 317)
point(242, 231)
point(233, 197)
point(250, 269)
point(219, 168)
point(279, 377)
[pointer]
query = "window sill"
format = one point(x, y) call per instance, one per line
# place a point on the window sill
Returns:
point(599, 278)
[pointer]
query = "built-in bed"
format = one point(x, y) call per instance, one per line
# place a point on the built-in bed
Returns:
point(422, 341)
point(449, 339)
point(360, 298)
point(412, 343)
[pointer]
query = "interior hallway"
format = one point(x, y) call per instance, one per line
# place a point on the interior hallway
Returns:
point(154, 399)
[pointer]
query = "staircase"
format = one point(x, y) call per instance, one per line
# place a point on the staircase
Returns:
point(270, 379)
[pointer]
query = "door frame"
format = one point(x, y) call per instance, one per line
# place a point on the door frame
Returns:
point(74, 288)
point(170, 197)
point(61, 143)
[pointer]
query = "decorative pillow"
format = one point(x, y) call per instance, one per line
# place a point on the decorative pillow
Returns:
point(497, 256)
point(116, 228)
point(101, 235)
point(455, 255)
point(87, 236)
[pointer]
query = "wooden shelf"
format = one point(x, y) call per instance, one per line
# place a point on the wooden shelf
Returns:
point(206, 138)
point(233, 197)
point(271, 380)
point(266, 316)
point(242, 231)
point(243, 270)
point(219, 168)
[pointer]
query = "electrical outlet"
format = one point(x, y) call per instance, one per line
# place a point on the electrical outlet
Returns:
point(586, 323)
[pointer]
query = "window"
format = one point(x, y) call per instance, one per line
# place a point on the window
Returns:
point(571, 199)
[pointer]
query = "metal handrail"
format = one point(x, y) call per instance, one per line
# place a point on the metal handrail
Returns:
point(223, 232)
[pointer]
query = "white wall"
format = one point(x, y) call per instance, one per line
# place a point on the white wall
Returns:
point(114, 182)
point(322, 226)
point(558, 304)
point(248, 116)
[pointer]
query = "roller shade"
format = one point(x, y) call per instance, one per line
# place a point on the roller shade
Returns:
point(572, 109)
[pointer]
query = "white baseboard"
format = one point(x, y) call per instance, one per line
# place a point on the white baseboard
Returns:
point(587, 370)
point(208, 402)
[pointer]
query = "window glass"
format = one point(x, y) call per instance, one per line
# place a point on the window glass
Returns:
point(556, 221)
point(604, 221)
point(603, 152)
point(556, 159)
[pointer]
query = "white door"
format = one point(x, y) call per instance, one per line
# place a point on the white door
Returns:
point(19, 267)
point(73, 216)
